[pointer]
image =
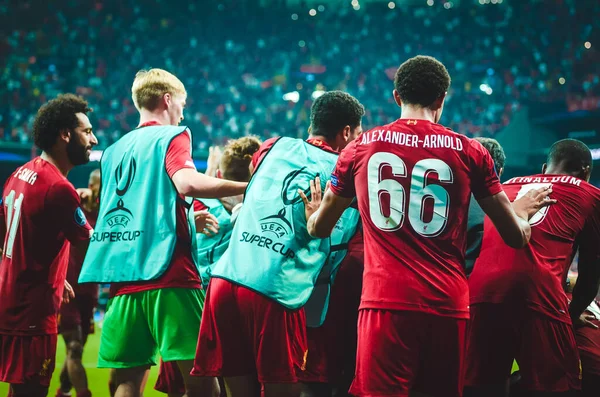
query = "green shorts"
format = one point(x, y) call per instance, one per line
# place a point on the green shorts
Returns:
point(138, 326)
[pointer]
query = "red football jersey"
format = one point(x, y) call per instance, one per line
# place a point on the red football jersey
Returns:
point(41, 212)
point(413, 180)
point(535, 275)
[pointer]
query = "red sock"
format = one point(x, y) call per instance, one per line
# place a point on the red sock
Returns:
point(85, 393)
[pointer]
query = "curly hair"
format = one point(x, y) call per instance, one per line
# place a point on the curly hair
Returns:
point(334, 110)
point(421, 80)
point(496, 151)
point(56, 115)
point(236, 158)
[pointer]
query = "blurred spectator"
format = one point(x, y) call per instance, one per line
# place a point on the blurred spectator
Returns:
point(237, 61)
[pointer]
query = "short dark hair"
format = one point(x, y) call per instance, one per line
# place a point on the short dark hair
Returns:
point(572, 154)
point(56, 115)
point(334, 110)
point(496, 151)
point(421, 80)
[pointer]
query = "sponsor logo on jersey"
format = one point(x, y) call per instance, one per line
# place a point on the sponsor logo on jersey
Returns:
point(334, 180)
point(80, 217)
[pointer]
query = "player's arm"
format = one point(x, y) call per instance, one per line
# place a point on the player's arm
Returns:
point(339, 194)
point(63, 203)
point(191, 183)
point(512, 220)
point(214, 158)
point(588, 279)
point(322, 215)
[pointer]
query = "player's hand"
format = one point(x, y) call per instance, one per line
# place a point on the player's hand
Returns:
point(214, 158)
point(206, 223)
point(312, 205)
point(585, 320)
point(85, 194)
point(230, 202)
point(533, 201)
point(68, 292)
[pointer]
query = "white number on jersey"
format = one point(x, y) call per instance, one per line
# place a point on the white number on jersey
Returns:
point(541, 214)
point(13, 216)
point(420, 193)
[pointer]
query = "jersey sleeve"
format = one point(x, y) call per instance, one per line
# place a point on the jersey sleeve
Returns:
point(342, 178)
point(2, 219)
point(179, 155)
point(63, 203)
point(484, 180)
point(264, 149)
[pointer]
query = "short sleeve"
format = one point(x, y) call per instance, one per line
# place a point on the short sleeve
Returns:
point(63, 203)
point(342, 178)
point(179, 155)
point(262, 151)
point(484, 180)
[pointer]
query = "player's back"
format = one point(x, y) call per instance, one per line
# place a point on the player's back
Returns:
point(413, 181)
point(535, 274)
point(36, 252)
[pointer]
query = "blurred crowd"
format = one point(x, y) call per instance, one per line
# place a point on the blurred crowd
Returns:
point(238, 60)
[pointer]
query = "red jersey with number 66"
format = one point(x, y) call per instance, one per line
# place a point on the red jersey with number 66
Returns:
point(534, 276)
point(40, 213)
point(413, 180)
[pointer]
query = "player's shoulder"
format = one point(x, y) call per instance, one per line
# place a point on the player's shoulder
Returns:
point(267, 144)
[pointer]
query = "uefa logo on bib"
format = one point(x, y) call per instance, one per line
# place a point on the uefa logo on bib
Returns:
point(124, 177)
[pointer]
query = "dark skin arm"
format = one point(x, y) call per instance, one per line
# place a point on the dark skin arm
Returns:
point(588, 282)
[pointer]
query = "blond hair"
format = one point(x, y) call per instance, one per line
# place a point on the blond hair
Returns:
point(236, 158)
point(149, 87)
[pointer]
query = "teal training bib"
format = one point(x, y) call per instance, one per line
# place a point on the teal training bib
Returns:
point(211, 248)
point(271, 251)
point(135, 234)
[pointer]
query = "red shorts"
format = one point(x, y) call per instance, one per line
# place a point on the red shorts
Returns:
point(400, 351)
point(78, 312)
point(332, 347)
point(244, 333)
point(544, 348)
point(27, 359)
point(588, 343)
point(170, 379)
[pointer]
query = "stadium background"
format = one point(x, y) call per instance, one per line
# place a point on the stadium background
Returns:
point(523, 71)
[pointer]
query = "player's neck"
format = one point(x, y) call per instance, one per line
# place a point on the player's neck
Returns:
point(332, 145)
point(418, 113)
point(63, 166)
point(160, 117)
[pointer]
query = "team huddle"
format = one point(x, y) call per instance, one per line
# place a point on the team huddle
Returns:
point(390, 262)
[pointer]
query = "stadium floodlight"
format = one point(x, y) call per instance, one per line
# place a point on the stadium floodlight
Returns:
point(486, 88)
point(293, 96)
point(317, 93)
